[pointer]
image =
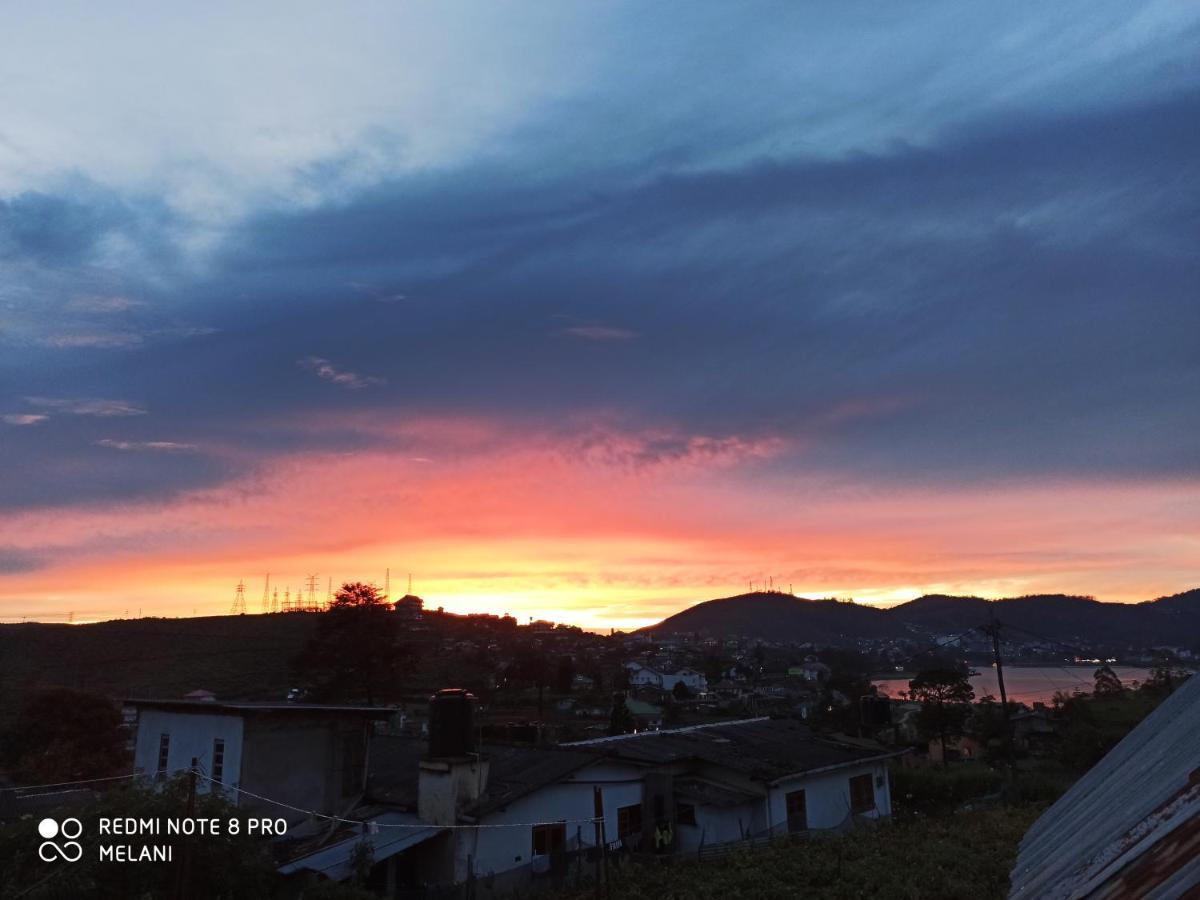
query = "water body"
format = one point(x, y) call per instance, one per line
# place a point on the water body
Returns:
point(1029, 684)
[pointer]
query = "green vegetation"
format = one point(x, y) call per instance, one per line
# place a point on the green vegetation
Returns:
point(225, 866)
point(62, 735)
point(962, 855)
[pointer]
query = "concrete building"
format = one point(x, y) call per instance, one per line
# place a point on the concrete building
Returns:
point(305, 755)
point(531, 810)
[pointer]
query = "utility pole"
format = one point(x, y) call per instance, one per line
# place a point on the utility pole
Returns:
point(993, 629)
point(598, 812)
point(183, 882)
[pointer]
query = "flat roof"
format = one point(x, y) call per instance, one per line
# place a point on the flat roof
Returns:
point(250, 707)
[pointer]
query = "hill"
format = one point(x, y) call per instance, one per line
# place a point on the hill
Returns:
point(1070, 619)
point(236, 656)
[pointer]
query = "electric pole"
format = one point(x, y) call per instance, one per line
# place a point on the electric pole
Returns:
point(993, 630)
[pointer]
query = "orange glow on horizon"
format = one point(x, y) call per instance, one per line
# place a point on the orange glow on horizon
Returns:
point(600, 531)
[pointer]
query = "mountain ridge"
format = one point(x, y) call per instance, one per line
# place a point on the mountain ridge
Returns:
point(1065, 618)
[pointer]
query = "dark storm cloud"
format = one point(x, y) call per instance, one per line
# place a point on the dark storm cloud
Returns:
point(1014, 300)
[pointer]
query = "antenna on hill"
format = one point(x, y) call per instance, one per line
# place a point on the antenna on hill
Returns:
point(410, 582)
point(239, 600)
point(266, 601)
point(387, 583)
point(275, 601)
point(329, 592)
point(312, 592)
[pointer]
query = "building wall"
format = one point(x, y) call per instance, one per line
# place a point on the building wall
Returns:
point(497, 850)
point(192, 735)
point(300, 761)
point(827, 796)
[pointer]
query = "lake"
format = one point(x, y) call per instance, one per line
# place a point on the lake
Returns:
point(1029, 684)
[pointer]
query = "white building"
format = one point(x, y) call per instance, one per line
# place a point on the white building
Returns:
point(306, 755)
point(645, 676)
point(675, 791)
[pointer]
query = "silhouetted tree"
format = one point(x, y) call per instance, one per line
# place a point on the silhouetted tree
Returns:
point(945, 696)
point(680, 691)
point(66, 735)
point(1107, 682)
point(621, 719)
point(564, 675)
point(356, 594)
point(353, 655)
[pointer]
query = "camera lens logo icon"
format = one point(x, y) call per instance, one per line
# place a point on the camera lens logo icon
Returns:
point(69, 849)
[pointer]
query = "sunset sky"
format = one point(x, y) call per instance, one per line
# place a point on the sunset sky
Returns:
point(591, 311)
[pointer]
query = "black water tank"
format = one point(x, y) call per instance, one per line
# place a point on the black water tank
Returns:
point(451, 723)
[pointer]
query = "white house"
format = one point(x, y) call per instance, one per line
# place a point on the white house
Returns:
point(645, 676)
point(528, 810)
point(306, 755)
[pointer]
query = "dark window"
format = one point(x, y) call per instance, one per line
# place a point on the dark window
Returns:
point(685, 814)
point(862, 794)
point(354, 759)
point(548, 838)
point(797, 811)
point(629, 821)
point(164, 753)
point(218, 762)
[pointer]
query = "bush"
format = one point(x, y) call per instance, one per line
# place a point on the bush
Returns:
point(930, 791)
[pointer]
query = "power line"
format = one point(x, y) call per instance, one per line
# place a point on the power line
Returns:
point(313, 812)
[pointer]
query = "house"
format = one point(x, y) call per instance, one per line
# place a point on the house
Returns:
point(646, 716)
point(305, 755)
point(1128, 828)
point(409, 607)
point(665, 679)
point(521, 813)
point(959, 748)
point(1034, 730)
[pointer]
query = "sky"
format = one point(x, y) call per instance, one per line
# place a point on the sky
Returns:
point(593, 311)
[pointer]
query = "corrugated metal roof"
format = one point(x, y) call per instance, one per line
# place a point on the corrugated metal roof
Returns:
point(334, 861)
point(1131, 826)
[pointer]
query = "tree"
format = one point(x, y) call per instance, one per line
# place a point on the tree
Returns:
point(1164, 679)
point(945, 696)
point(564, 675)
point(621, 719)
point(680, 691)
point(66, 735)
point(353, 655)
point(356, 594)
point(1107, 682)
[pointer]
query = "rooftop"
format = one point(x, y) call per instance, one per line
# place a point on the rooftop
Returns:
point(254, 707)
point(763, 749)
point(1129, 826)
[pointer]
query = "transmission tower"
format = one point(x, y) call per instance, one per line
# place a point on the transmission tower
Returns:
point(312, 592)
point(275, 601)
point(266, 601)
point(239, 600)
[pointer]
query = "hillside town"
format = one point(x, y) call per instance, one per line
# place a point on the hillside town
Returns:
point(421, 753)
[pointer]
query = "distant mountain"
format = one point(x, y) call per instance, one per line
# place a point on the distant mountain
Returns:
point(770, 615)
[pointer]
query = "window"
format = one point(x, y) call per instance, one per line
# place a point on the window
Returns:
point(797, 811)
point(629, 821)
point(685, 814)
point(164, 753)
point(218, 760)
point(548, 838)
point(862, 794)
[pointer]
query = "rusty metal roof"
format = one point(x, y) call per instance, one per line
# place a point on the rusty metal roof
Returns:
point(1130, 828)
